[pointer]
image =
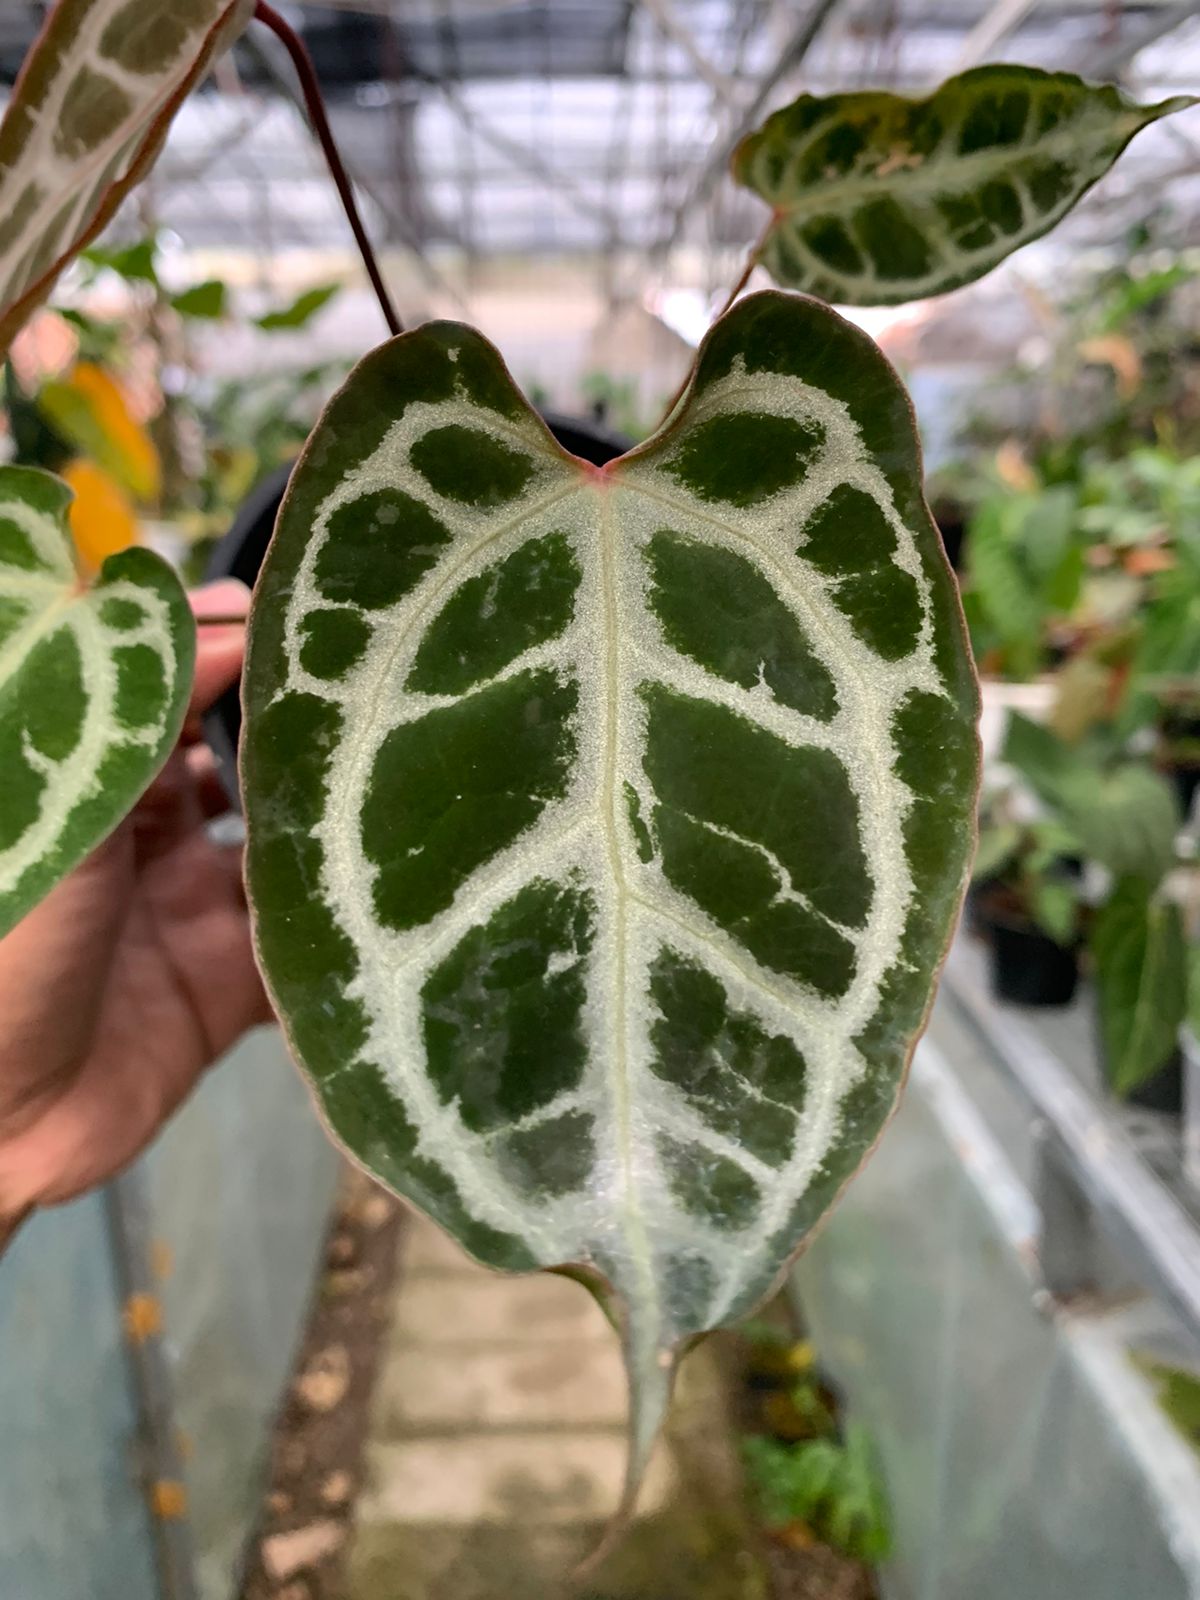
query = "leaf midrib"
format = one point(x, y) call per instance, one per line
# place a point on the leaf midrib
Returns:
point(931, 176)
point(636, 1231)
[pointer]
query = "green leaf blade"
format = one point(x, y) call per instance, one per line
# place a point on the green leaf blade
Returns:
point(1141, 970)
point(301, 311)
point(207, 301)
point(602, 884)
point(86, 120)
point(93, 688)
point(879, 199)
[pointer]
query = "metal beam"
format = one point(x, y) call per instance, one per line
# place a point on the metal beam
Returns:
point(1108, 63)
point(674, 28)
point(714, 168)
point(1004, 18)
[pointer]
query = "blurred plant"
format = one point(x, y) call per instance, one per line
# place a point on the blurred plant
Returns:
point(614, 402)
point(1124, 817)
point(195, 459)
point(1028, 868)
point(1023, 575)
point(1177, 1390)
point(822, 1489)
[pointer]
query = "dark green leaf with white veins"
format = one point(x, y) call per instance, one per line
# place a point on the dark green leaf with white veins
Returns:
point(880, 199)
point(606, 829)
point(85, 120)
point(94, 684)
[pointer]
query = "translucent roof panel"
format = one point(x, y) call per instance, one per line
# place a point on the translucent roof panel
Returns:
point(603, 127)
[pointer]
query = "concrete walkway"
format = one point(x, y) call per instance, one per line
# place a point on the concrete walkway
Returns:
point(496, 1450)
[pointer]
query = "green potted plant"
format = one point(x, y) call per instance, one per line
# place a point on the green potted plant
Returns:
point(606, 827)
point(1125, 819)
point(1025, 903)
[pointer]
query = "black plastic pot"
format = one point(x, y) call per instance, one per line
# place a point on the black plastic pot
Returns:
point(1027, 967)
point(1164, 1090)
point(241, 552)
point(1176, 727)
point(1185, 780)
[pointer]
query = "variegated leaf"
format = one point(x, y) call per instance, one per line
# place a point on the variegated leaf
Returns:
point(606, 828)
point(880, 199)
point(86, 120)
point(93, 687)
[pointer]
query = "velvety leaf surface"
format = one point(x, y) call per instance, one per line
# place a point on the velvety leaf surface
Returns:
point(606, 829)
point(86, 119)
point(94, 683)
point(880, 199)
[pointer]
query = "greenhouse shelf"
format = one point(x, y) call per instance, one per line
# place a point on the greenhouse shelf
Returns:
point(980, 1296)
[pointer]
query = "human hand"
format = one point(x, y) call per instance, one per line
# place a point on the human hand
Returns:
point(132, 976)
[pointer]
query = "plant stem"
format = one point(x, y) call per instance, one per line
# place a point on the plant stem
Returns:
point(311, 90)
point(743, 280)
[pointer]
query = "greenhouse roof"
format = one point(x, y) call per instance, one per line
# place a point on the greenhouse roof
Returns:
point(603, 127)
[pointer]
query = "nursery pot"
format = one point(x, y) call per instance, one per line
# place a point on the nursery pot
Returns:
point(241, 552)
point(1026, 966)
point(1163, 1091)
point(1184, 776)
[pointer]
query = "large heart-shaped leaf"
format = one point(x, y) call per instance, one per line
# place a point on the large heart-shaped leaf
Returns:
point(85, 121)
point(93, 688)
point(880, 199)
point(606, 828)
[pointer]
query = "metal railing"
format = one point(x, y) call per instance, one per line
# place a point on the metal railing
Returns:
point(1089, 1172)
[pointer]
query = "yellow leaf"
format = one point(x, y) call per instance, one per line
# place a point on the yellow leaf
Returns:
point(89, 407)
point(102, 519)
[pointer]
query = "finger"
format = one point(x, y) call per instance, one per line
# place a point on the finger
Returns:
point(220, 648)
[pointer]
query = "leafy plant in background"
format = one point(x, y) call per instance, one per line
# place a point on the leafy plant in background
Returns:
point(606, 829)
point(1125, 818)
point(1024, 573)
point(827, 1487)
point(195, 460)
point(1177, 1390)
point(1026, 865)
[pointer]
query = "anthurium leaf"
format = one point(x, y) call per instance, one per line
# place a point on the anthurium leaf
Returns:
point(880, 199)
point(85, 121)
point(94, 683)
point(1126, 819)
point(1138, 944)
point(606, 828)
